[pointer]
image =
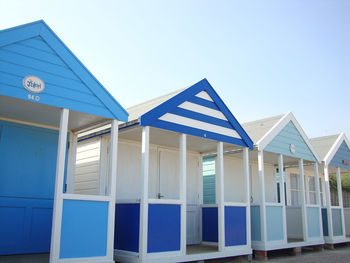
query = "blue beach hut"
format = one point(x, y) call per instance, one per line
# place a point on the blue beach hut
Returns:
point(335, 154)
point(47, 97)
point(285, 210)
point(160, 216)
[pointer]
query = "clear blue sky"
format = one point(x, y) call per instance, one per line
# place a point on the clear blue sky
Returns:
point(264, 58)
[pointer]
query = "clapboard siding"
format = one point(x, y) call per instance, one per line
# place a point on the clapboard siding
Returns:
point(209, 180)
point(290, 135)
point(63, 87)
point(87, 167)
point(343, 153)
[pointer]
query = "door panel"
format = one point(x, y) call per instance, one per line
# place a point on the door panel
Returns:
point(27, 178)
point(168, 173)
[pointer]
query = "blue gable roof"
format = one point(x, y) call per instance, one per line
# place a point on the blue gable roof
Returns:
point(198, 111)
point(35, 50)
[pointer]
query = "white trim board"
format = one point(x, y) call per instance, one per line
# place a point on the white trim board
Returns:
point(278, 127)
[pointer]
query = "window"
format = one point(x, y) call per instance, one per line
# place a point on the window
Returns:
point(294, 189)
point(321, 192)
point(312, 190)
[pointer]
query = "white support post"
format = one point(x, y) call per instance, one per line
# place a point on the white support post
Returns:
point(318, 196)
point(262, 196)
point(328, 202)
point(72, 157)
point(113, 161)
point(247, 198)
point(340, 199)
point(282, 196)
point(220, 195)
point(302, 199)
point(183, 191)
point(58, 200)
point(144, 193)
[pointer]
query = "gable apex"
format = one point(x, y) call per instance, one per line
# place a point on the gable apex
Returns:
point(198, 111)
point(39, 29)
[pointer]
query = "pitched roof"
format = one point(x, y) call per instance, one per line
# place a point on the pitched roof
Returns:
point(323, 144)
point(196, 110)
point(258, 128)
point(34, 49)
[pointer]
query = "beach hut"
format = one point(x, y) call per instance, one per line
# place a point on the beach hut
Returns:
point(47, 97)
point(334, 151)
point(285, 210)
point(160, 216)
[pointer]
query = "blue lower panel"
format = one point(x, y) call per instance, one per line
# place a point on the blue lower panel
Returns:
point(25, 225)
point(127, 227)
point(255, 222)
point(84, 229)
point(210, 224)
point(235, 226)
point(313, 222)
point(324, 221)
point(164, 228)
point(337, 222)
point(274, 223)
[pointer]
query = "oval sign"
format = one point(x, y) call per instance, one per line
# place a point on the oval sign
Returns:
point(33, 84)
point(292, 148)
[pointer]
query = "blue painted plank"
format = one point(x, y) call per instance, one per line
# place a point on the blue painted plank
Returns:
point(37, 43)
point(342, 154)
point(274, 223)
point(203, 102)
point(64, 92)
point(201, 117)
point(255, 222)
point(127, 227)
point(210, 224)
point(27, 176)
point(25, 61)
point(164, 231)
point(84, 229)
point(290, 135)
point(324, 221)
point(197, 132)
point(235, 226)
point(35, 53)
point(313, 221)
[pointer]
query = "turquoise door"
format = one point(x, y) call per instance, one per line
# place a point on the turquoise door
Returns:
point(27, 179)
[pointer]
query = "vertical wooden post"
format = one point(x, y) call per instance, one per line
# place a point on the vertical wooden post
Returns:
point(247, 198)
point(318, 196)
point(113, 161)
point(262, 196)
point(220, 195)
point(72, 157)
point(183, 190)
point(340, 198)
point(58, 200)
point(302, 197)
point(282, 196)
point(144, 193)
point(328, 202)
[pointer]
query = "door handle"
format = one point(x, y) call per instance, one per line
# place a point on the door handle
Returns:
point(160, 196)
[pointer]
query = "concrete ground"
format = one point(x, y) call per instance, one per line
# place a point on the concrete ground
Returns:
point(341, 254)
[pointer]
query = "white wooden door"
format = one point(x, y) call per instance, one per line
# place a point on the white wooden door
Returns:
point(192, 194)
point(169, 181)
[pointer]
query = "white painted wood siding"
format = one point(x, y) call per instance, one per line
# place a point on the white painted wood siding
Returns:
point(88, 167)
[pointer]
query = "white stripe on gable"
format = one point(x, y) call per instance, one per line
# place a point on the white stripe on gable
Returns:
point(201, 109)
point(169, 117)
point(204, 95)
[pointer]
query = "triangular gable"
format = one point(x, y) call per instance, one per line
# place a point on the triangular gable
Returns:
point(35, 50)
point(288, 138)
point(339, 154)
point(198, 111)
